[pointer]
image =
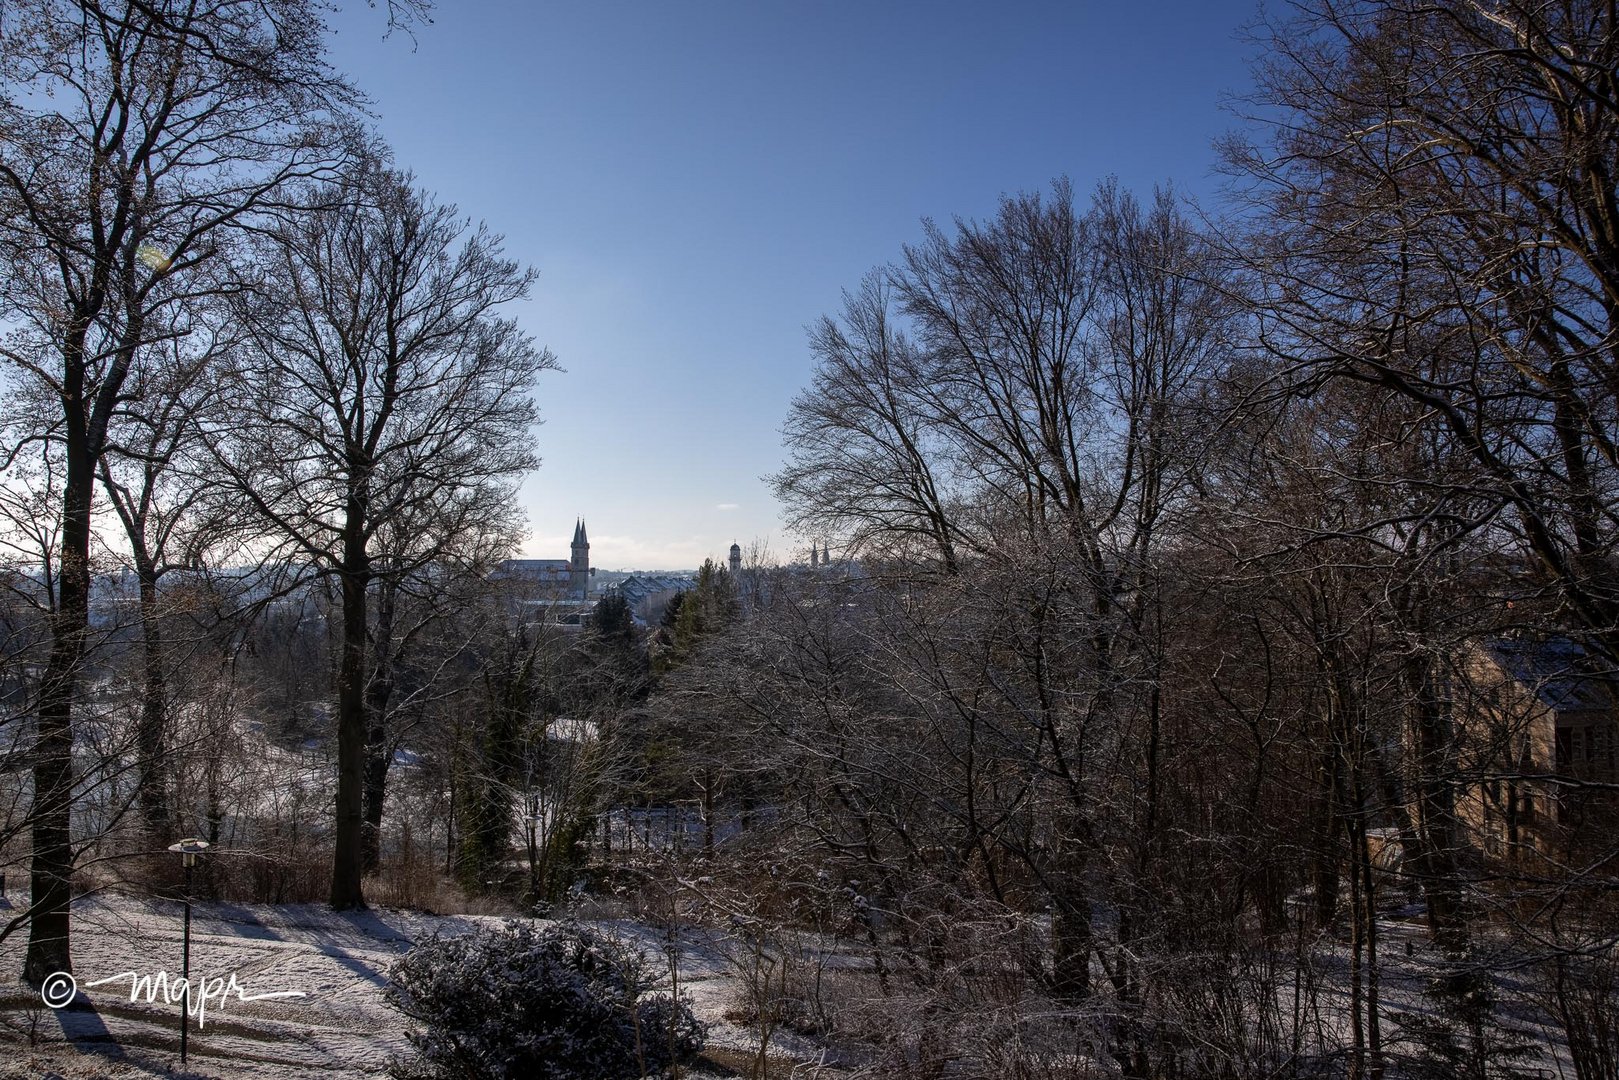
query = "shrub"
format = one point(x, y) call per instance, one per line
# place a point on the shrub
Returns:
point(669, 1032)
point(559, 1002)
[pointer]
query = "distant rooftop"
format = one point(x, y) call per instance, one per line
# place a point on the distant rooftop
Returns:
point(1562, 673)
point(541, 569)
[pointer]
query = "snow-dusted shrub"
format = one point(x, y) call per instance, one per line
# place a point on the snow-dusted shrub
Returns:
point(669, 1032)
point(560, 1002)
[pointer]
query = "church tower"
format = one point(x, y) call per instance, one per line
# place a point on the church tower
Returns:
point(736, 558)
point(579, 566)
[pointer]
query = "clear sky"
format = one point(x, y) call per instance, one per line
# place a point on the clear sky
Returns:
point(698, 181)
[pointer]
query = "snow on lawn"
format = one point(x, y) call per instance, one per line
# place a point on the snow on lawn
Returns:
point(338, 961)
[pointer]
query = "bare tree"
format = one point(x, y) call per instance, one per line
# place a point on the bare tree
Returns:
point(425, 626)
point(383, 388)
point(172, 519)
point(1441, 218)
point(864, 456)
point(132, 135)
point(1049, 417)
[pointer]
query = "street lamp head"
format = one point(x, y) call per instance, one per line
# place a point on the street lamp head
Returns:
point(189, 848)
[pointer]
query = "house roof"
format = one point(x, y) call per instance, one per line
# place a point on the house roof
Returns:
point(1562, 674)
point(638, 587)
point(540, 569)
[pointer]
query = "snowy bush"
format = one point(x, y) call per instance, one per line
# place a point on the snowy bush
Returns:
point(669, 1032)
point(554, 1003)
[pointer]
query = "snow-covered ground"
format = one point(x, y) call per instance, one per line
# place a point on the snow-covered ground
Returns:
point(339, 962)
point(341, 1027)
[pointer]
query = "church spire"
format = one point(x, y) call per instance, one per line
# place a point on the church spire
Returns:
point(579, 569)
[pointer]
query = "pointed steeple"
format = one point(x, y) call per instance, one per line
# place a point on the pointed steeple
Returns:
point(579, 570)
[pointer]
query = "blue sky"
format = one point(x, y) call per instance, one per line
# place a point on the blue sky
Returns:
point(698, 181)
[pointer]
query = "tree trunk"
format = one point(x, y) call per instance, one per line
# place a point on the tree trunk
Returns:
point(347, 865)
point(378, 751)
point(1357, 945)
point(708, 814)
point(1363, 887)
point(151, 736)
point(1071, 934)
point(1436, 826)
point(449, 823)
point(376, 789)
point(1327, 856)
point(51, 815)
point(1374, 1024)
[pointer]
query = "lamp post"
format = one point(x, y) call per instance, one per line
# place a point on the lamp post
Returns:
point(187, 849)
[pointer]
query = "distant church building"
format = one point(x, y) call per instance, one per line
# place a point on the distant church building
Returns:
point(567, 578)
point(736, 558)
